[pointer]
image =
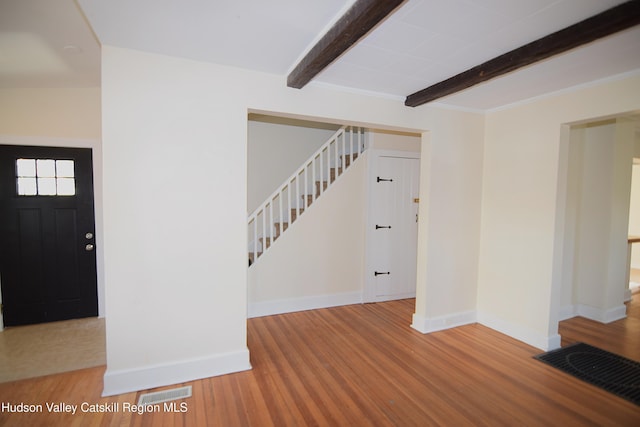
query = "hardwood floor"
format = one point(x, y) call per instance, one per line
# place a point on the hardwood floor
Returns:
point(621, 337)
point(362, 365)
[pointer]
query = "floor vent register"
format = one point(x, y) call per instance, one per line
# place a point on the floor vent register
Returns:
point(164, 396)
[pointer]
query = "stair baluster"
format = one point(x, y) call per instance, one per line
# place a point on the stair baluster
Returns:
point(262, 222)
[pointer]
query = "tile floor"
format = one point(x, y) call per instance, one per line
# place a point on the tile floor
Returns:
point(47, 348)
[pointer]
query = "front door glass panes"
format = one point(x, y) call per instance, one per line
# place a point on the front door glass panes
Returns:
point(45, 177)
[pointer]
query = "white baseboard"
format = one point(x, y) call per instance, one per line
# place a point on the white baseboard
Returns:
point(533, 338)
point(125, 381)
point(600, 315)
point(593, 313)
point(433, 324)
point(290, 305)
point(633, 288)
point(567, 312)
point(406, 295)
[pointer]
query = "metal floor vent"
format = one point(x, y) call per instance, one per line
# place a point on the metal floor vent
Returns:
point(164, 396)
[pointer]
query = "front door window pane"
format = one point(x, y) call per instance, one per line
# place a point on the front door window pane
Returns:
point(27, 186)
point(47, 187)
point(46, 168)
point(45, 177)
point(66, 186)
point(26, 167)
point(64, 168)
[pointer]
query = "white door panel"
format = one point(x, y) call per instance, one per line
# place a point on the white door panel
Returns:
point(393, 234)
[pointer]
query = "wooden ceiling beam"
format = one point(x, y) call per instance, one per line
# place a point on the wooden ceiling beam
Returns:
point(361, 17)
point(606, 23)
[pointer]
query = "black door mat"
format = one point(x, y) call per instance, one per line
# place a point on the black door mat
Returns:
point(613, 373)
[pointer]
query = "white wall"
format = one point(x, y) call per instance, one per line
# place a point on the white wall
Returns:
point(319, 260)
point(574, 189)
point(275, 151)
point(64, 117)
point(388, 140)
point(523, 206)
point(175, 251)
point(175, 212)
point(72, 113)
point(451, 167)
point(597, 210)
point(594, 215)
point(634, 214)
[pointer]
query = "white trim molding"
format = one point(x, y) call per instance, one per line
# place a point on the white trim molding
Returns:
point(567, 312)
point(520, 333)
point(593, 313)
point(290, 305)
point(600, 315)
point(144, 378)
point(627, 295)
point(433, 324)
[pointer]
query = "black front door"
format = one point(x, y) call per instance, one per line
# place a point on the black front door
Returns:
point(47, 234)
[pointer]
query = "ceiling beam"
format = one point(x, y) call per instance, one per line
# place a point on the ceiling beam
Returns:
point(361, 17)
point(606, 23)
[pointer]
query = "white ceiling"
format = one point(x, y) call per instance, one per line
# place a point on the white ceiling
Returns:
point(422, 43)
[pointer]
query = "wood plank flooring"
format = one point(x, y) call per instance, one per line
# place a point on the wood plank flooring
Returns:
point(362, 365)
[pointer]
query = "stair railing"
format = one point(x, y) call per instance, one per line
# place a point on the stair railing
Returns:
point(303, 187)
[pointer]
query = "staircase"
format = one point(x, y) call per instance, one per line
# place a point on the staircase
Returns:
point(286, 204)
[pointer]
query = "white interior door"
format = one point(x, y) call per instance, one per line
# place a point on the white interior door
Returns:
point(394, 228)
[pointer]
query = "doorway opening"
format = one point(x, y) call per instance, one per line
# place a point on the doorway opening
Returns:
point(595, 270)
point(48, 274)
point(47, 260)
point(634, 219)
point(327, 267)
